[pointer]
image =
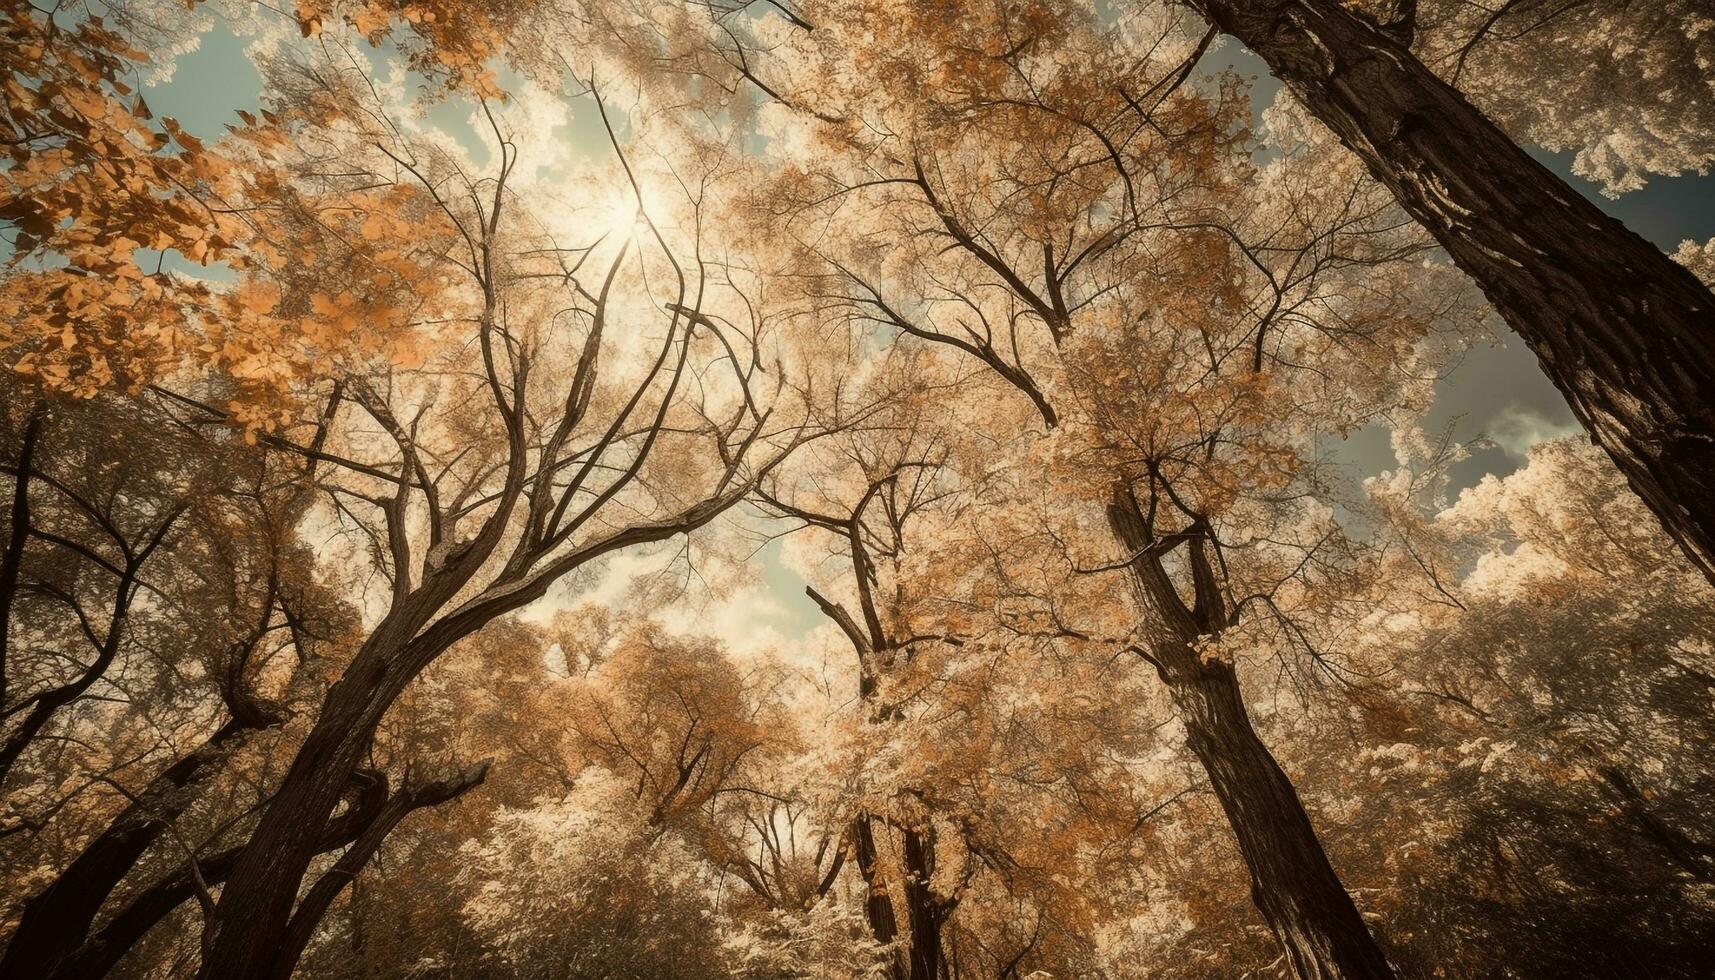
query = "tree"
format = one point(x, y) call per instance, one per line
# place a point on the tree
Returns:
point(1618, 83)
point(95, 184)
point(1627, 350)
point(1072, 227)
point(436, 464)
point(1620, 328)
point(896, 491)
point(584, 887)
point(487, 486)
point(162, 613)
point(611, 874)
point(1497, 789)
point(985, 756)
point(1543, 734)
point(218, 590)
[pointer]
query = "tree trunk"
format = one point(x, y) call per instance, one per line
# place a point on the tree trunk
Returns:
point(102, 952)
point(255, 907)
point(321, 894)
point(877, 907)
point(1625, 333)
point(17, 532)
point(925, 913)
point(57, 920)
point(1292, 883)
point(253, 915)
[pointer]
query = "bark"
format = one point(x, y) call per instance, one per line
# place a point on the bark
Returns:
point(877, 907)
point(18, 533)
point(321, 895)
point(255, 907)
point(251, 920)
point(1625, 333)
point(360, 828)
point(58, 919)
point(98, 956)
point(1292, 883)
point(926, 913)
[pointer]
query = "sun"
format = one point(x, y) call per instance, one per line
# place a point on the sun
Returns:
point(621, 218)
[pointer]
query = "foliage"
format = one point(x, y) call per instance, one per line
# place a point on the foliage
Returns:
point(396, 521)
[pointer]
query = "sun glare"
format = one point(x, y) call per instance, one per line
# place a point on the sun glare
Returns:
point(621, 218)
point(846, 490)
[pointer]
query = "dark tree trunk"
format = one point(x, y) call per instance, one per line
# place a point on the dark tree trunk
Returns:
point(255, 907)
point(98, 956)
point(252, 918)
point(1625, 333)
point(321, 894)
point(57, 920)
point(924, 911)
point(877, 907)
point(17, 532)
point(1292, 882)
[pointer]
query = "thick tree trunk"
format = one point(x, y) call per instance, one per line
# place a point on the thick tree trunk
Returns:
point(58, 919)
point(255, 907)
point(925, 913)
point(877, 907)
point(1292, 883)
point(251, 921)
point(1626, 333)
point(102, 952)
point(320, 896)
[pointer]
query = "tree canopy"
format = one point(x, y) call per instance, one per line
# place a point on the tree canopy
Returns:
point(688, 488)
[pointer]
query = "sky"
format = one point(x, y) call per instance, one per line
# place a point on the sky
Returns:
point(1496, 398)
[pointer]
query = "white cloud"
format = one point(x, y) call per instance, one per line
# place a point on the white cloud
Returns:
point(1516, 428)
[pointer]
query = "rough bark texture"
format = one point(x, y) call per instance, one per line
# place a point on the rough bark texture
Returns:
point(877, 907)
point(1292, 882)
point(361, 827)
point(1625, 333)
point(256, 905)
point(98, 956)
point(251, 919)
point(58, 919)
point(316, 901)
point(925, 912)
